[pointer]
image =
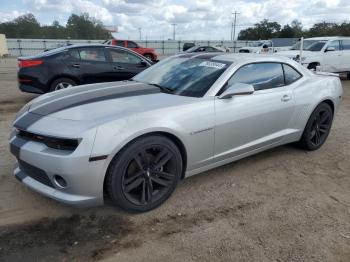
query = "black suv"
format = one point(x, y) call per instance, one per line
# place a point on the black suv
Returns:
point(78, 64)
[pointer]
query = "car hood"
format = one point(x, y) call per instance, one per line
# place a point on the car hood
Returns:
point(99, 102)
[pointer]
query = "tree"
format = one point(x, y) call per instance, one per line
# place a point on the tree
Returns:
point(262, 30)
point(84, 27)
point(78, 27)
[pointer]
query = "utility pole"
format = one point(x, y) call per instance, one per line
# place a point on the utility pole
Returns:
point(173, 31)
point(233, 28)
point(140, 32)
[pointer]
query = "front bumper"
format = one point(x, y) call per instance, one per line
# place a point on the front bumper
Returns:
point(39, 165)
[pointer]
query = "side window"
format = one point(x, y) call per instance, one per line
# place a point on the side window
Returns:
point(290, 74)
point(346, 44)
point(334, 44)
point(121, 56)
point(131, 44)
point(120, 43)
point(74, 54)
point(93, 54)
point(260, 75)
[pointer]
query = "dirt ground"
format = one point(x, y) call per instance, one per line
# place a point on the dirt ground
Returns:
point(281, 205)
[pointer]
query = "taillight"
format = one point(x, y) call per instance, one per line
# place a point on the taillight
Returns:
point(29, 63)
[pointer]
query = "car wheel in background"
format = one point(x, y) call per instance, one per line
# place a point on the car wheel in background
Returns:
point(348, 76)
point(62, 83)
point(317, 128)
point(144, 174)
point(149, 56)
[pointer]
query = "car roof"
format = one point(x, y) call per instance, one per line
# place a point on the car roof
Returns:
point(238, 57)
point(326, 38)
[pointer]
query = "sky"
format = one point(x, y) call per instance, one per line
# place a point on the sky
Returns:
point(194, 19)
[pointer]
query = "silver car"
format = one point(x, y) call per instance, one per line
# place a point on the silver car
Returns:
point(132, 141)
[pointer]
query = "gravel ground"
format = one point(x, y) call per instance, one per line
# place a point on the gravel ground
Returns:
point(281, 205)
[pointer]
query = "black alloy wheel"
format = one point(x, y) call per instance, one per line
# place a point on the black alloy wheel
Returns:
point(144, 174)
point(317, 128)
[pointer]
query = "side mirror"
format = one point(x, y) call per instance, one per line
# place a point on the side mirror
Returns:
point(330, 48)
point(237, 89)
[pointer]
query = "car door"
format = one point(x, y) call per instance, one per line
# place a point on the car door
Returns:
point(345, 55)
point(125, 64)
point(331, 57)
point(93, 66)
point(248, 122)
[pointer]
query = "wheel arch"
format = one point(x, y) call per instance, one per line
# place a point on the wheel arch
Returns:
point(175, 139)
point(75, 79)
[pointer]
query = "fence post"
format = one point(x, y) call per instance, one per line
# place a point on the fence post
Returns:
point(45, 47)
point(163, 46)
point(146, 43)
point(179, 46)
point(19, 46)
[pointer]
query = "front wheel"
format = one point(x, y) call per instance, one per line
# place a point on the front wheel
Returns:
point(317, 128)
point(144, 174)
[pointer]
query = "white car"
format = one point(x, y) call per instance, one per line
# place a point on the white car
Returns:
point(331, 54)
point(261, 47)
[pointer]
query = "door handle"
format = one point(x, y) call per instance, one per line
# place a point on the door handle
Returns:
point(118, 68)
point(286, 98)
point(76, 65)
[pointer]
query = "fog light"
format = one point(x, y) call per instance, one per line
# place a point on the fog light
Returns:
point(60, 181)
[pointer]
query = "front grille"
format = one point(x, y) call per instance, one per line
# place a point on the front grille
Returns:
point(52, 142)
point(35, 173)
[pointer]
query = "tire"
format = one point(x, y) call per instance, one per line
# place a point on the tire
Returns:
point(348, 76)
point(149, 56)
point(62, 83)
point(144, 174)
point(312, 66)
point(317, 128)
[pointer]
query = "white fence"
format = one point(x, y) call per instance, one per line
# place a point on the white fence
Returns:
point(25, 47)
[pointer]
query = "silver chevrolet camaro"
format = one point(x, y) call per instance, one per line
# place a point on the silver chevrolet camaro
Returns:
point(132, 141)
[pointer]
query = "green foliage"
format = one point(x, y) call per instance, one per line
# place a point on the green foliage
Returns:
point(267, 30)
point(78, 27)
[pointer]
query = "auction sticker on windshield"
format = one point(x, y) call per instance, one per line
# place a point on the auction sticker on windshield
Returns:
point(212, 64)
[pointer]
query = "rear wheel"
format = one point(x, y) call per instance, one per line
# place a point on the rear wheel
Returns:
point(317, 128)
point(149, 56)
point(144, 174)
point(62, 83)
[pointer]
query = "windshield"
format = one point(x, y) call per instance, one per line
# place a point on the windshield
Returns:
point(310, 45)
point(183, 75)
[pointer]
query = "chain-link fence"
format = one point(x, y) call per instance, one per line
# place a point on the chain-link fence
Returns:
point(26, 47)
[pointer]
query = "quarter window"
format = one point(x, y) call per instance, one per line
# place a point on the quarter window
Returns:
point(290, 74)
point(260, 75)
point(346, 44)
point(93, 54)
point(121, 56)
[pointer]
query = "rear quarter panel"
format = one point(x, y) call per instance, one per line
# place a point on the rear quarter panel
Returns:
point(309, 94)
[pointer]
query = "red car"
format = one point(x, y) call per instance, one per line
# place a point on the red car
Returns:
point(149, 53)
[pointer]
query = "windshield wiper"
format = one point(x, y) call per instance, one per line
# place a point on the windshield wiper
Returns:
point(162, 88)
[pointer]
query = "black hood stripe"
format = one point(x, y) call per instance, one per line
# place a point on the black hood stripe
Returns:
point(82, 98)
